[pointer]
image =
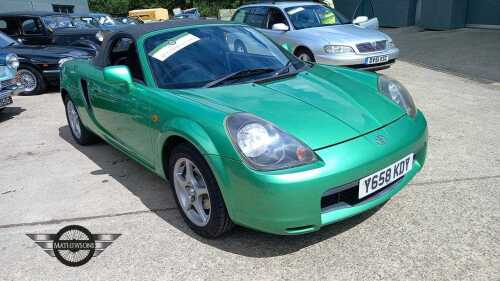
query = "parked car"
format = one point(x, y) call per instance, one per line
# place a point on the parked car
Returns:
point(128, 20)
point(97, 20)
point(8, 85)
point(261, 139)
point(48, 28)
point(318, 33)
point(39, 65)
point(192, 13)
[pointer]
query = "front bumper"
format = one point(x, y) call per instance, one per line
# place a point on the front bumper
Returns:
point(6, 91)
point(289, 201)
point(358, 59)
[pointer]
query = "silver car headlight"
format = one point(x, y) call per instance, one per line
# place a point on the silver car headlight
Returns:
point(397, 93)
point(12, 61)
point(63, 60)
point(264, 146)
point(338, 49)
point(390, 45)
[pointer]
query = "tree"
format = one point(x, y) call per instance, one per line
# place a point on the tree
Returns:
point(208, 8)
point(115, 7)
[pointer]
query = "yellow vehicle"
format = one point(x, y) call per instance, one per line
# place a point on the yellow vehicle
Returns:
point(147, 15)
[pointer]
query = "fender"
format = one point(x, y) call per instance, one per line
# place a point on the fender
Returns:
point(192, 131)
point(187, 129)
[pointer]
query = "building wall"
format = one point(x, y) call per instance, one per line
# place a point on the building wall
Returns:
point(431, 14)
point(80, 6)
point(483, 13)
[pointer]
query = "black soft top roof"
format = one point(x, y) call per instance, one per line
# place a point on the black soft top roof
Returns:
point(137, 30)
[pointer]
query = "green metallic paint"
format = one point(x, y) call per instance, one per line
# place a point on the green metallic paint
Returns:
point(336, 111)
point(118, 74)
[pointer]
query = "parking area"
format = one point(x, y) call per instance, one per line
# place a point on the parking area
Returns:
point(444, 225)
point(467, 52)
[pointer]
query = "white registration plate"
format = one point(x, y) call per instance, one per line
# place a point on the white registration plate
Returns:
point(384, 177)
point(377, 59)
point(5, 101)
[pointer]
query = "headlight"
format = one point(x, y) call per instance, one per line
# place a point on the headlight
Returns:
point(338, 49)
point(264, 146)
point(12, 61)
point(390, 45)
point(99, 36)
point(397, 93)
point(63, 60)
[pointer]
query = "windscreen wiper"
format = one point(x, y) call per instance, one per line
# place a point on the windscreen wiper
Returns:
point(285, 69)
point(237, 75)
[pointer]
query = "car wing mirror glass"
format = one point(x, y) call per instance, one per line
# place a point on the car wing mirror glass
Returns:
point(280, 27)
point(118, 74)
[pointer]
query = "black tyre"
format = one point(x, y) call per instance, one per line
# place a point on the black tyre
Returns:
point(197, 193)
point(305, 55)
point(31, 79)
point(80, 133)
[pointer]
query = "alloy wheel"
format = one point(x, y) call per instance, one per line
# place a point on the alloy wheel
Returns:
point(192, 192)
point(73, 119)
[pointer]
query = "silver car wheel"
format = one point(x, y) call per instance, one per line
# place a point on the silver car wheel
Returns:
point(27, 79)
point(192, 192)
point(304, 57)
point(73, 119)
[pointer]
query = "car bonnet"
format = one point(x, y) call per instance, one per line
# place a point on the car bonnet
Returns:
point(310, 106)
point(345, 34)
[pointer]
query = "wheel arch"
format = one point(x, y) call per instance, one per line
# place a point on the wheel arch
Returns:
point(206, 148)
point(302, 48)
point(182, 130)
point(29, 64)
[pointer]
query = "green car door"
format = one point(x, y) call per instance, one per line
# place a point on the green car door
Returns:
point(123, 111)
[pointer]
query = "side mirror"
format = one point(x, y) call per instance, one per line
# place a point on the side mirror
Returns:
point(360, 19)
point(118, 74)
point(280, 27)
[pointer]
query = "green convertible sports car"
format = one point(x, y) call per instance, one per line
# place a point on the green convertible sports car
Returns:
point(249, 136)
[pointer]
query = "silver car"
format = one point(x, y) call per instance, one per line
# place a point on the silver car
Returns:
point(317, 33)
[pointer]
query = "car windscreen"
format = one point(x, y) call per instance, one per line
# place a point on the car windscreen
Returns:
point(193, 57)
point(56, 22)
point(83, 22)
point(6, 41)
point(313, 16)
point(103, 20)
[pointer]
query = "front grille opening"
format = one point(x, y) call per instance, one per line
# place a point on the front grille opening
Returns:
point(368, 47)
point(348, 196)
